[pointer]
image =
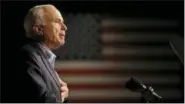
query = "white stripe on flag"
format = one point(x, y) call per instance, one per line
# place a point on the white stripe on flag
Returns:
point(150, 65)
point(152, 51)
point(115, 79)
point(136, 37)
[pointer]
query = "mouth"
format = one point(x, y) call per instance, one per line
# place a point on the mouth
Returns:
point(62, 36)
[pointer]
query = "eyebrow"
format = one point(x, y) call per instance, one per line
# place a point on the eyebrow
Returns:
point(59, 20)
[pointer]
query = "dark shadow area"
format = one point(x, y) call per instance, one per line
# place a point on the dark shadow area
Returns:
point(13, 37)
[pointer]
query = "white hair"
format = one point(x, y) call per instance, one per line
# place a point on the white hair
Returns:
point(34, 16)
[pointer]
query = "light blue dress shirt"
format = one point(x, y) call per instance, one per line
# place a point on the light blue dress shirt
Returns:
point(50, 55)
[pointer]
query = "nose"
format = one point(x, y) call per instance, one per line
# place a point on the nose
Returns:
point(64, 27)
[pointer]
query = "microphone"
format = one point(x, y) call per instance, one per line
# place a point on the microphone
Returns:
point(135, 85)
point(148, 93)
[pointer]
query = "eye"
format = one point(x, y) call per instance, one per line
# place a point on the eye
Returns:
point(57, 21)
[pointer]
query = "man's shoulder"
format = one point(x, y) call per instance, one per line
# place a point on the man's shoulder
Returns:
point(28, 46)
point(27, 53)
point(28, 50)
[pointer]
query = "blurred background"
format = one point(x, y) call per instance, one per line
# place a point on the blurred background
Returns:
point(108, 42)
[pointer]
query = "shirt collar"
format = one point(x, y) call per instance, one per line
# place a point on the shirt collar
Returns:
point(50, 55)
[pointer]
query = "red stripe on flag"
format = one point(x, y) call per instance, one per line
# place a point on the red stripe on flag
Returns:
point(88, 71)
point(112, 71)
point(97, 86)
point(104, 100)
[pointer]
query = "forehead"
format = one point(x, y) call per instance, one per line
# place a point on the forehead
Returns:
point(57, 14)
point(54, 13)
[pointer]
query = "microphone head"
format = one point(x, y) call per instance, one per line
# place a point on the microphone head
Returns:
point(135, 85)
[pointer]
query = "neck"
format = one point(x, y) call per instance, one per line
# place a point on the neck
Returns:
point(50, 46)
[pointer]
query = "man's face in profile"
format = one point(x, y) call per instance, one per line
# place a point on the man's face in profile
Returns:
point(54, 28)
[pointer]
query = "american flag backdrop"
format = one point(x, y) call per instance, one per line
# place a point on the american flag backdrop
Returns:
point(102, 52)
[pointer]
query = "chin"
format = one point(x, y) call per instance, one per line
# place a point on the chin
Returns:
point(59, 44)
point(62, 42)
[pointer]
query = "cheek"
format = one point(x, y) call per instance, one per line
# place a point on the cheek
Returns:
point(50, 30)
point(56, 30)
point(52, 33)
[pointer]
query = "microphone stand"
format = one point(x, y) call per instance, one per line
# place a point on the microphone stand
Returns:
point(149, 96)
point(147, 92)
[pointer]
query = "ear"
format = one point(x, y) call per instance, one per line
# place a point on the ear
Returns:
point(37, 29)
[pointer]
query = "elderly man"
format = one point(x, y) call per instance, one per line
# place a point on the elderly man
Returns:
point(35, 77)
